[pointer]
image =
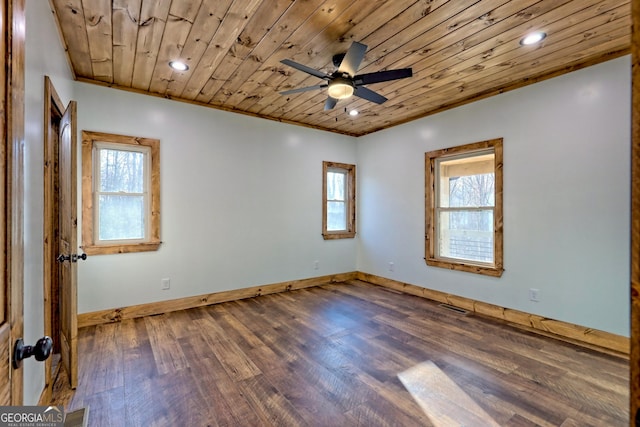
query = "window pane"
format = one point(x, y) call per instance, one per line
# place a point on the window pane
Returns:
point(472, 191)
point(467, 181)
point(336, 216)
point(121, 170)
point(466, 235)
point(336, 185)
point(121, 217)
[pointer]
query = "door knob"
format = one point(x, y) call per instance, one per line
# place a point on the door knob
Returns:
point(72, 257)
point(76, 257)
point(40, 351)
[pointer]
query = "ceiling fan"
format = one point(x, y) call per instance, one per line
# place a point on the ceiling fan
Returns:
point(344, 82)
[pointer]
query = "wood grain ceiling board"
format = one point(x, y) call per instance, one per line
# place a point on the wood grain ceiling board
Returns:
point(460, 51)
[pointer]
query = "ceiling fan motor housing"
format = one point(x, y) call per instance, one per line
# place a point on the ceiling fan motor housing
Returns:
point(337, 59)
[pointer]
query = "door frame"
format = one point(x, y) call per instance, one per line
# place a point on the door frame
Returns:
point(12, 122)
point(53, 111)
point(634, 358)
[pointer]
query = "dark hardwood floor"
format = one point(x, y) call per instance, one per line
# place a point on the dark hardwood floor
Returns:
point(339, 355)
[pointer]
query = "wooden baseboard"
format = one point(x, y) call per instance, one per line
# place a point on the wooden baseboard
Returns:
point(592, 338)
point(588, 337)
point(47, 391)
point(45, 396)
point(118, 314)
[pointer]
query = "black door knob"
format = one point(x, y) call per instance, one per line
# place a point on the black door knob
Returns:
point(72, 257)
point(40, 351)
point(76, 257)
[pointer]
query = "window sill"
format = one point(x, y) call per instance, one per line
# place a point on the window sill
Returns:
point(339, 235)
point(120, 249)
point(469, 268)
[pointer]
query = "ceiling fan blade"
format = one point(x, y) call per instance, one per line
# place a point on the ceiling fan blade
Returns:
point(352, 59)
point(382, 76)
point(306, 69)
point(369, 95)
point(303, 89)
point(331, 102)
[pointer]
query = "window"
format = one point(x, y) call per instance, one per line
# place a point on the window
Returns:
point(338, 200)
point(120, 193)
point(463, 208)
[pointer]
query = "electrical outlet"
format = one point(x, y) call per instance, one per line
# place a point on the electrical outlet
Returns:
point(165, 284)
point(392, 266)
point(316, 265)
point(534, 294)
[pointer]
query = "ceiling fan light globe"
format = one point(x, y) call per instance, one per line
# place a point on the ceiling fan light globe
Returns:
point(340, 90)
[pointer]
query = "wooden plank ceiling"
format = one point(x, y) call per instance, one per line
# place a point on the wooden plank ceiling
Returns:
point(460, 50)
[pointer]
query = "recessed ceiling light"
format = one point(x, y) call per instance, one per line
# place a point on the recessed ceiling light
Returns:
point(179, 66)
point(533, 38)
point(353, 113)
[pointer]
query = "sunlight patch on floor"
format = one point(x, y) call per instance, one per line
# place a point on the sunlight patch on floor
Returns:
point(446, 404)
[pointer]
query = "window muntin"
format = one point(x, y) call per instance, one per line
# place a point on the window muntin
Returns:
point(338, 189)
point(120, 193)
point(464, 208)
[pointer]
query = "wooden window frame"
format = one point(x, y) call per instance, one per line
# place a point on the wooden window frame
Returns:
point(90, 244)
point(350, 202)
point(431, 258)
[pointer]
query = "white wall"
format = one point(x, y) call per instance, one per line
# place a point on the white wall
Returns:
point(566, 197)
point(241, 201)
point(44, 56)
